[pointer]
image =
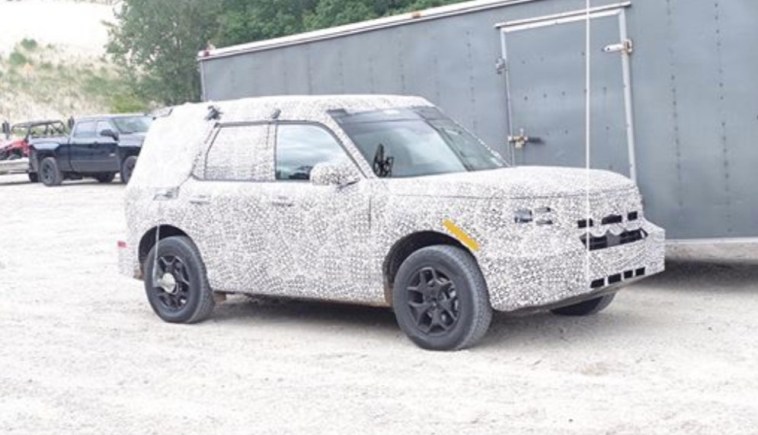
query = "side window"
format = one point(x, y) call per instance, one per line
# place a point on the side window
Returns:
point(240, 153)
point(299, 147)
point(85, 129)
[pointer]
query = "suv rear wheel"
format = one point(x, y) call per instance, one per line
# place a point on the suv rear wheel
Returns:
point(176, 283)
point(440, 298)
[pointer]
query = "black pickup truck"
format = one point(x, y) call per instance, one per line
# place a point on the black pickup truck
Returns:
point(98, 146)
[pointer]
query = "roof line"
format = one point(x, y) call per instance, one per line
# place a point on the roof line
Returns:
point(361, 27)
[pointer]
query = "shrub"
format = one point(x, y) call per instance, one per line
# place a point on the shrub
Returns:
point(17, 59)
point(29, 44)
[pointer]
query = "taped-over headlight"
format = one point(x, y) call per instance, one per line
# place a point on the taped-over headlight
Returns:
point(540, 216)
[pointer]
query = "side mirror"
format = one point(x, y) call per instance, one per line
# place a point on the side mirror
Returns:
point(109, 133)
point(334, 174)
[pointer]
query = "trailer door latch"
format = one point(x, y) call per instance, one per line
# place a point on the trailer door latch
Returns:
point(626, 46)
point(520, 140)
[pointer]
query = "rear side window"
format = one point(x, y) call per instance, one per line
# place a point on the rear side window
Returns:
point(240, 153)
point(85, 129)
point(299, 147)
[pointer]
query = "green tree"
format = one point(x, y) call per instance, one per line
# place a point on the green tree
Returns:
point(156, 44)
point(253, 20)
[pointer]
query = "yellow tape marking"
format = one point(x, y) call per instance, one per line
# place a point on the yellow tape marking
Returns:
point(460, 235)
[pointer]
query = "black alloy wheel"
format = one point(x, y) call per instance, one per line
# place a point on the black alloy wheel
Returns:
point(176, 283)
point(171, 283)
point(440, 298)
point(433, 301)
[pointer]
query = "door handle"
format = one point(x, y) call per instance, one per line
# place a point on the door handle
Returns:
point(200, 199)
point(282, 201)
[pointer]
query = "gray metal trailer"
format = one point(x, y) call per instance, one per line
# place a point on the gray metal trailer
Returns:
point(674, 100)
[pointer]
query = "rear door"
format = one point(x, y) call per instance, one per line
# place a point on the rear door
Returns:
point(228, 210)
point(545, 74)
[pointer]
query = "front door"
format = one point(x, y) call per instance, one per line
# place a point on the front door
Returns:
point(320, 234)
point(545, 74)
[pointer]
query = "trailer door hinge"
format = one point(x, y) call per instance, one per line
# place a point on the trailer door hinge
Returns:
point(626, 46)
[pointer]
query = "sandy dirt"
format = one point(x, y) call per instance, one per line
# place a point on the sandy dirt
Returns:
point(81, 351)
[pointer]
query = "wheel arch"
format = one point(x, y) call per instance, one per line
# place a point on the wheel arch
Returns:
point(407, 245)
point(150, 237)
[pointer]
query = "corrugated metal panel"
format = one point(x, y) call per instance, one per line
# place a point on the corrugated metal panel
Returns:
point(693, 77)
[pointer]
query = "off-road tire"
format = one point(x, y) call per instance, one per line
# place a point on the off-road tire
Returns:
point(586, 308)
point(49, 173)
point(199, 296)
point(461, 271)
point(127, 167)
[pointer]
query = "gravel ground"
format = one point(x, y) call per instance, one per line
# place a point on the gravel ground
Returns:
point(81, 351)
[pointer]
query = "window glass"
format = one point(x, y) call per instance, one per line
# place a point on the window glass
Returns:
point(300, 147)
point(240, 154)
point(85, 129)
point(415, 141)
point(133, 124)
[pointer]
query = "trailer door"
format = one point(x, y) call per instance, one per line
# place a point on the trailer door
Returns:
point(545, 77)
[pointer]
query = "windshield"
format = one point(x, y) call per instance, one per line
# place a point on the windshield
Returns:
point(133, 124)
point(412, 142)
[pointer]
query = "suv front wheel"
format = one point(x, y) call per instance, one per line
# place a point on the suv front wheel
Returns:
point(440, 298)
point(175, 282)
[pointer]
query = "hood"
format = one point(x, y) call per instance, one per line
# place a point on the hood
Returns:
point(513, 183)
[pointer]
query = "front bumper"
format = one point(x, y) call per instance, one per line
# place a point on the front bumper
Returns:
point(562, 270)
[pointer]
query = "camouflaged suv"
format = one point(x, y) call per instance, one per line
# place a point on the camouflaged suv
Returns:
point(378, 200)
